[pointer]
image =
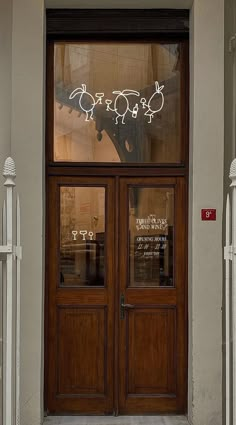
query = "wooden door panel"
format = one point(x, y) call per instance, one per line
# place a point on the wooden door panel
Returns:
point(80, 322)
point(139, 296)
point(82, 350)
point(151, 345)
point(153, 325)
point(85, 297)
point(93, 368)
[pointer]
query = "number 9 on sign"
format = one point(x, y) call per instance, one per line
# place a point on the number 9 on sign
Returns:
point(208, 214)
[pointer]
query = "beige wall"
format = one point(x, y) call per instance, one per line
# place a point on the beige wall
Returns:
point(206, 190)
point(27, 149)
point(207, 150)
point(230, 141)
point(5, 78)
point(5, 119)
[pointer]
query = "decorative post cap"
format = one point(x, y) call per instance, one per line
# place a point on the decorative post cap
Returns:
point(9, 172)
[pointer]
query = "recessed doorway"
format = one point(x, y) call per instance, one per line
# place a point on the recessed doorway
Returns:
point(116, 230)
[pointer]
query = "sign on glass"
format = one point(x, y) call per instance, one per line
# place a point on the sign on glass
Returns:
point(117, 102)
point(151, 226)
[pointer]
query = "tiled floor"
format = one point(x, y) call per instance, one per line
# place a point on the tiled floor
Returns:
point(111, 420)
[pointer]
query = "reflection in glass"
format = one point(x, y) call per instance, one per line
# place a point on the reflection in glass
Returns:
point(151, 221)
point(106, 102)
point(82, 236)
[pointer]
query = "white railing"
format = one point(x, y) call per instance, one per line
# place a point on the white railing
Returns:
point(230, 298)
point(10, 253)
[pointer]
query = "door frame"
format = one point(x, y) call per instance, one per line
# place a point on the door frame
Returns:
point(159, 25)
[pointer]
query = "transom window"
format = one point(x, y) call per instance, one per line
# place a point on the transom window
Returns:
point(118, 102)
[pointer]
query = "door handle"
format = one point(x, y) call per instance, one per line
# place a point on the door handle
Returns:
point(123, 306)
point(127, 305)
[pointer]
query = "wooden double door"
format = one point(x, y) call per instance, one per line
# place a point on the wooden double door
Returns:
point(116, 325)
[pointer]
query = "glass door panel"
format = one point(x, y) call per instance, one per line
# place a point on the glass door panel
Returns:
point(151, 230)
point(82, 236)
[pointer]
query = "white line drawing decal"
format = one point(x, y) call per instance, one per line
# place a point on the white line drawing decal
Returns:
point(74, 233)
point(121, 104)
point(90, 234)
point(86, 100)
point(83, 233)
point(152, 101)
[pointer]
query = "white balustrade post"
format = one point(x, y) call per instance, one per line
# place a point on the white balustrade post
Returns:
point(233, 185)
point(9, 173)
point(18, 288)
point(227, 257)
point(4, 307)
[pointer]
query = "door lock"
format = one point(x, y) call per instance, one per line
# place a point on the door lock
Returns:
point(123, 306)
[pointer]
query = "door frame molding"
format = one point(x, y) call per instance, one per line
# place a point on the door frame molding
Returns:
point(139, 23)
point(121, 24)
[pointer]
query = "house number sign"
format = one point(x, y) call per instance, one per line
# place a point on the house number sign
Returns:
point(208, 214)
point(121, 104)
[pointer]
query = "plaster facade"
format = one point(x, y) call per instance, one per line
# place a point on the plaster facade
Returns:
point(22, 81)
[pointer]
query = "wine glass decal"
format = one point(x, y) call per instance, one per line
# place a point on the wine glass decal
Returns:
point(108, 103)
point(83, 233)
point(99, 96)
point(74, 234)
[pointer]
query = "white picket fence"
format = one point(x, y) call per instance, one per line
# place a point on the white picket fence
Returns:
point(10, 253)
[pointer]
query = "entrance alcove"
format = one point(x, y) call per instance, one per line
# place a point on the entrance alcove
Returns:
point(28, 136)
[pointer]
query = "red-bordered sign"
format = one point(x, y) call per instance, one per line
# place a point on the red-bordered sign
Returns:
point(208, 214)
